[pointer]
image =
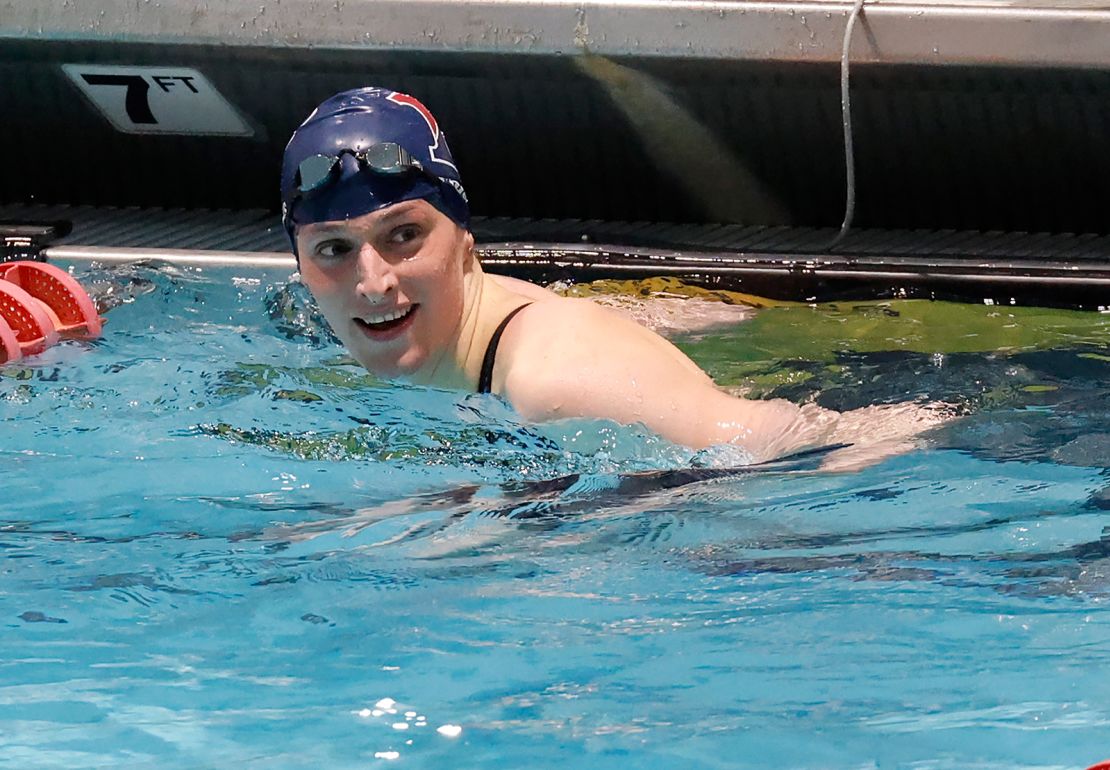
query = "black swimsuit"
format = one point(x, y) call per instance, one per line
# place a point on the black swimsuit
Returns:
point(485, 379)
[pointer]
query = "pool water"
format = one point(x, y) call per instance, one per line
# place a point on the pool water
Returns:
point(224, 545)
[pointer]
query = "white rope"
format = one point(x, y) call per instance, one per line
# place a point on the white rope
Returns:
point(846, 117)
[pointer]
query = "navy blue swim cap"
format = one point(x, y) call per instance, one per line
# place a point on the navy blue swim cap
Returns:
point(350, 123)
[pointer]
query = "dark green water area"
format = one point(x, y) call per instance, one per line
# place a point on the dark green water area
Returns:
point(1032, 382)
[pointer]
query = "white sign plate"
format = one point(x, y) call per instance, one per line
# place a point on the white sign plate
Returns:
point(157, 100)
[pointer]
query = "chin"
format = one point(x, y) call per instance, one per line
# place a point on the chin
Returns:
point(393, 368)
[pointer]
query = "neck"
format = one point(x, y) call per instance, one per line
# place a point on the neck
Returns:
point(459, 365)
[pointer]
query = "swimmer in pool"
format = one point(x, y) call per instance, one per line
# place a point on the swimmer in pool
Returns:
point(379, 220)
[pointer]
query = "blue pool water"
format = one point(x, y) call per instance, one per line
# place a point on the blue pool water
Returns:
point(222, 545)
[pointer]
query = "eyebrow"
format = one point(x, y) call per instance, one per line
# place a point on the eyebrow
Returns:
point(404, 208)
point(396, 211)
point(319, 228)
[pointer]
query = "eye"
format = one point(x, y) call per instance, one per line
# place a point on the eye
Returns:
point(403, 234)
point(332, 249)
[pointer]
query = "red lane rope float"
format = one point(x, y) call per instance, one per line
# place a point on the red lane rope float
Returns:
point(37, 303)
point(72, 311)
point(1100, 766)
point(9, 344)
point(28, 319)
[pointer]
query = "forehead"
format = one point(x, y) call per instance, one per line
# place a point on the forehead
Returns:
point(382, 218)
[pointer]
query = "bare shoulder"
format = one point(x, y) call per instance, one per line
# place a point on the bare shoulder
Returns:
point(578, 326)
point(545, 331)
point(525, 289)
point(570, 310)
point(572, 357)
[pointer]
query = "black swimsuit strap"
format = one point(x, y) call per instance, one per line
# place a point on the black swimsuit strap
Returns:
point(485, 379)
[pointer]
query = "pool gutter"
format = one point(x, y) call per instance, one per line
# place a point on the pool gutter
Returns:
point(797, 277)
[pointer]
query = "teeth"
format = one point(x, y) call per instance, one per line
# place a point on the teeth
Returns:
point(390, 316)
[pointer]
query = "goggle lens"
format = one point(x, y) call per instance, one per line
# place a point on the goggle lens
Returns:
point(315, 171)
point(388, 158)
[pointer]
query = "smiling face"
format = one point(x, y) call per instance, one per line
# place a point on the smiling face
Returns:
point(390, 283)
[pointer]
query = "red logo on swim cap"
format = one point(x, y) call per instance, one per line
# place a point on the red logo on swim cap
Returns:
point(416, 104)
point(429, 118)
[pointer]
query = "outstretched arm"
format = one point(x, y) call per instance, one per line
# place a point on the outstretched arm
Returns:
point(574, 359)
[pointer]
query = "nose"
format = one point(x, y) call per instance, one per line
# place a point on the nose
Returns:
point(376, 278)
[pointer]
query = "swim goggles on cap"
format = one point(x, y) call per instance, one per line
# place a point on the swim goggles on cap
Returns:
point(386, 158)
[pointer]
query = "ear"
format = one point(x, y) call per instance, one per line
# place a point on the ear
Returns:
point(469, 255)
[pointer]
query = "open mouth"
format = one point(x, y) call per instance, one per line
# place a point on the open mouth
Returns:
point(390, 322)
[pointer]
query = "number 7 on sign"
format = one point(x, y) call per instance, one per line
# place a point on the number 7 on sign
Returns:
point(157, 100)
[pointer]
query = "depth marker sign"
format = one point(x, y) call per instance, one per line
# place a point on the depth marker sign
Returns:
point(157, 100)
